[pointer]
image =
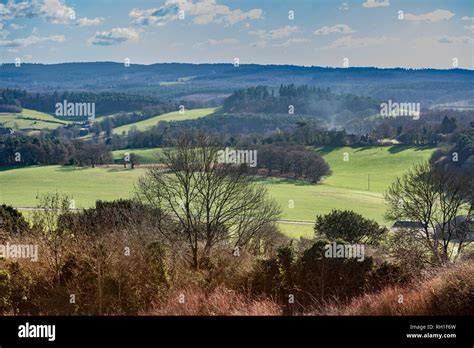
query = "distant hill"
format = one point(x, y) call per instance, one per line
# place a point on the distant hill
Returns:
point(173, 80)
point(30, 120)
point(171, 116)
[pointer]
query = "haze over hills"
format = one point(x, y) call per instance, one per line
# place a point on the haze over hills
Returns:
point(430, 87)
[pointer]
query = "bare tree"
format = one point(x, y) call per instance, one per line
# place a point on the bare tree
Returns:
point(434, 197)
point(210, 202)
point(45, 222)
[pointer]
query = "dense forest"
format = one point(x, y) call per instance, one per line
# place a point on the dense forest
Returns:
point(300, 100)
point(105, 102)
point(24, 151)
point(177, 81)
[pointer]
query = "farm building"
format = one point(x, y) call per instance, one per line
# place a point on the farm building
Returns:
point(460, 229)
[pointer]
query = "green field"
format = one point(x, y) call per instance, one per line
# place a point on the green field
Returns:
point(370, 166)
point(30, 120)
point(346, 188)
point(171, 116)
point(144, 156)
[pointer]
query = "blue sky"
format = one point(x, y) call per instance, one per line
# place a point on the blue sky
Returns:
point(431, 33)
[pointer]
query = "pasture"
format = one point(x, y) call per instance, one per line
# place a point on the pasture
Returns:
point(346, 188)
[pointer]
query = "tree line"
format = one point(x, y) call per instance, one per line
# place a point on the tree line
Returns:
point(106, 102)
point(298, 100)
point(24, 151)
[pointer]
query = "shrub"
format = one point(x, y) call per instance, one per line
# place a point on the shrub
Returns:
point(12, 221)
point(450, 292)
point(312, 278)
point(349, 226)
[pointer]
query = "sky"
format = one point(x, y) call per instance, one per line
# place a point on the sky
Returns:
point(382, 33)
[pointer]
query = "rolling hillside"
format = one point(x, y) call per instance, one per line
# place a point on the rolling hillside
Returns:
point(370, 168)
point(347, 188)
point(30, 120)
point(172, 116)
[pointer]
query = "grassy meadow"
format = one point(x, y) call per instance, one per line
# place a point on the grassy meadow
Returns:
point(171, 116)
point(346, 188)
point(30, 120)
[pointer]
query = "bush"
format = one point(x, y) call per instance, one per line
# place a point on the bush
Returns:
point(450, 292)
point(312, 278)
point(326, 278)
point(111, 217)
point(387, 274)
point(12, 221)
point(349, 226)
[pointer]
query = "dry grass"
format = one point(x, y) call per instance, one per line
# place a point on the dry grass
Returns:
point(221, 301)
point(449, 292)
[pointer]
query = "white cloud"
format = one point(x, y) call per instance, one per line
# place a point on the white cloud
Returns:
point(222, 42)
point(275, 34)
point(53, 11)
point(3, 33)
point(213, 42)
point(156, 16)
point(87, 22)
point(456, 40)
point(376, 3)
point(467, 18)
point(338, 28)
point(16, 26)
point(344, 6)
point(434, 16)
point(278, 33)
point(202, 12)
point(115, 36)
point(470, 28)
point(292, 41)
point(350, 42)
point(30, 40)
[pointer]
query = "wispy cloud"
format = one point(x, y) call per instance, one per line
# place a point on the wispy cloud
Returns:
point(30, 40)
point(115, 36)
point(3, 33)
point(338, 29)
point(351, 42)
point(202, 12)
point(470, 28)
point(214, 42)
point(267, 36)
point(278, 33)
point(344, 6)
point(376, 3)
point(456, 40)
point(16, 26)
point(53, 11)
point(88, 22)
point(156, 16)
point(434, 16)
point(291, 42)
